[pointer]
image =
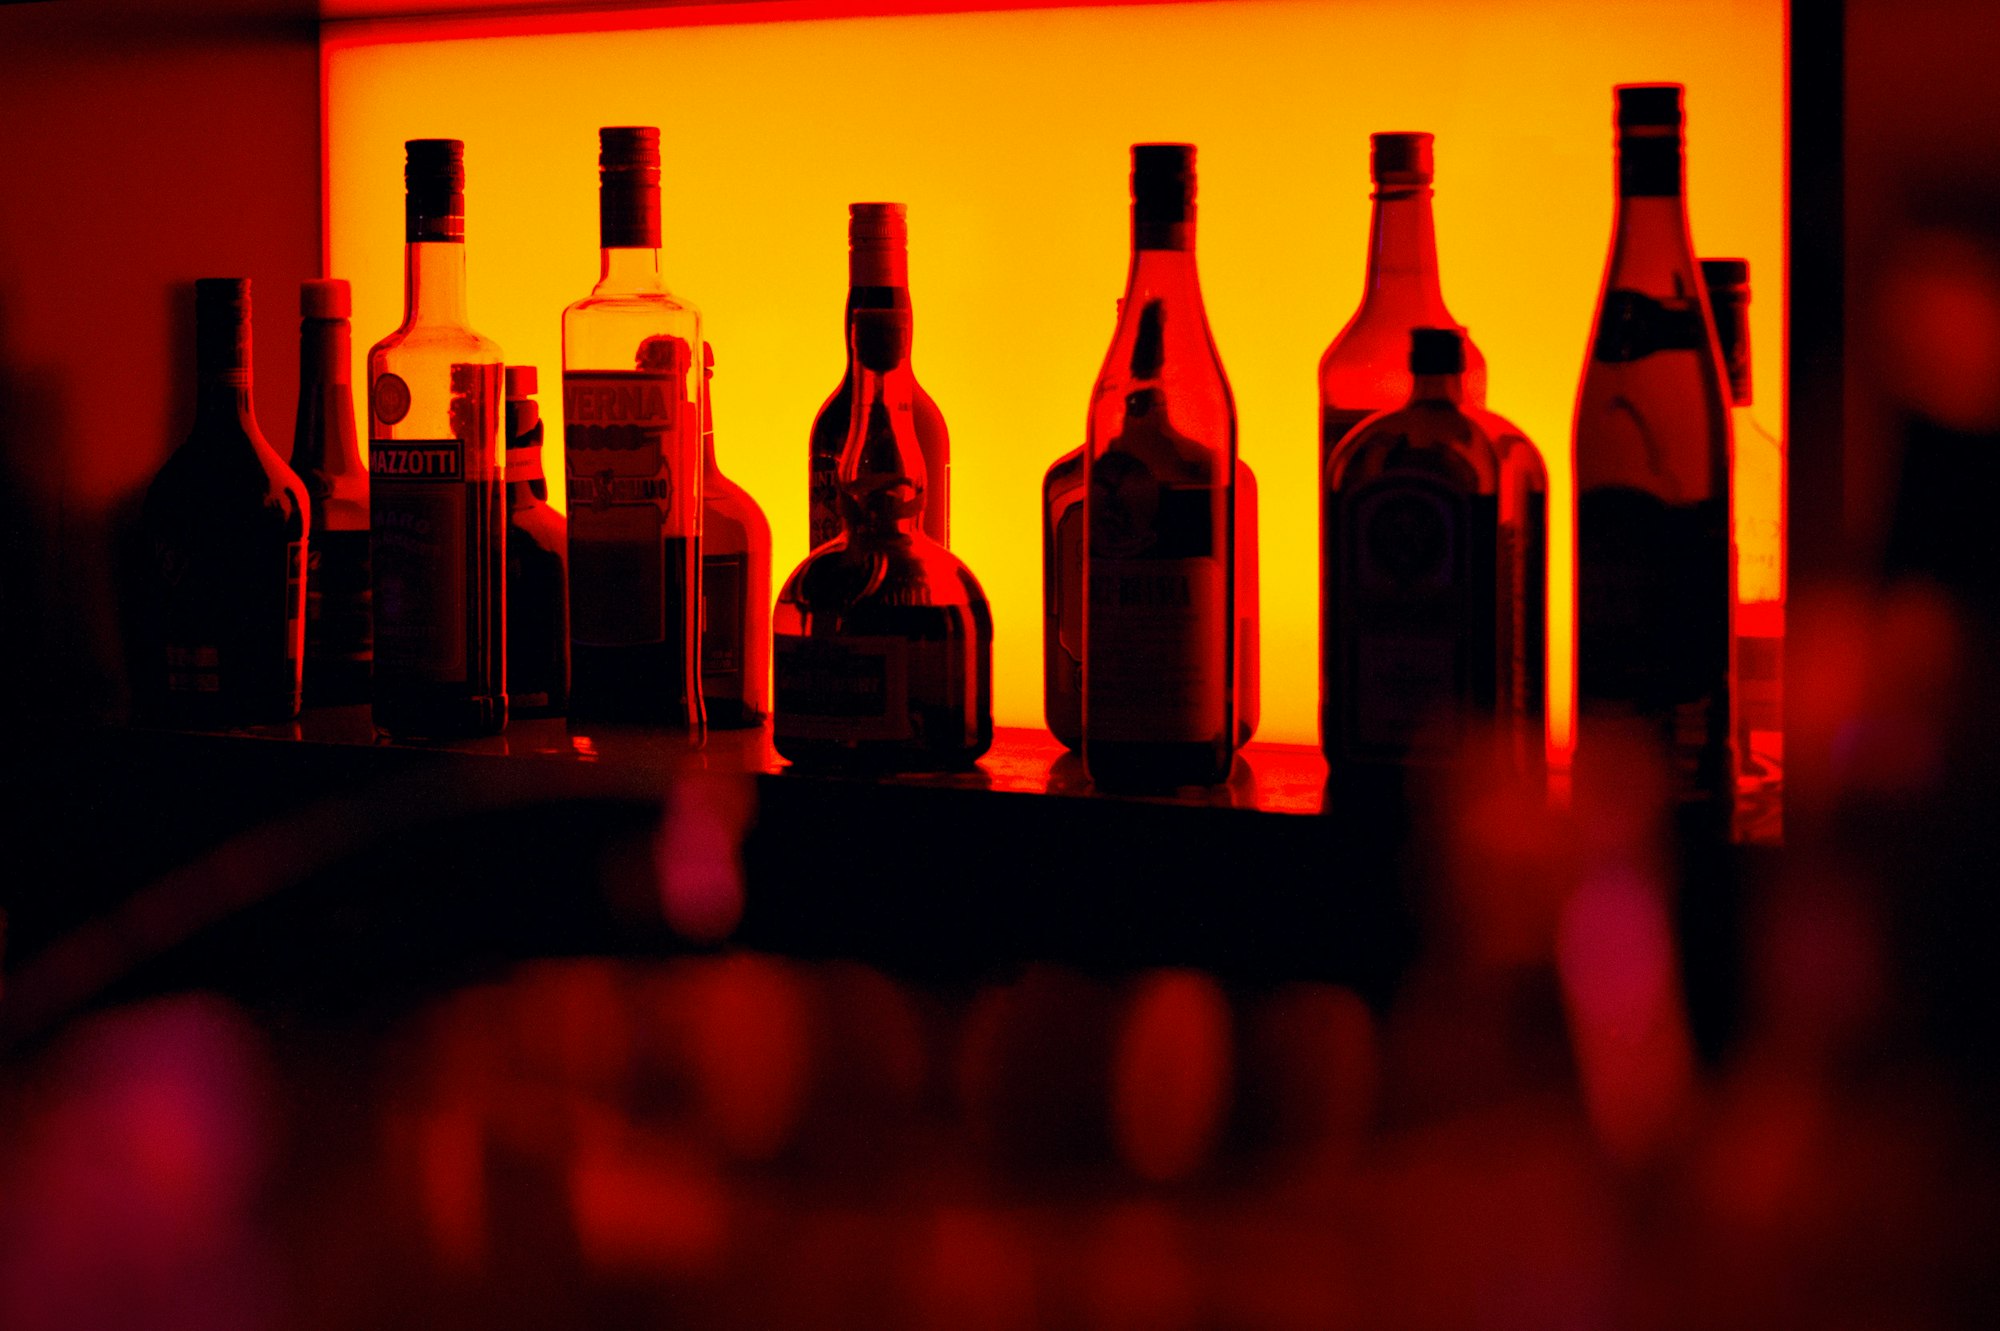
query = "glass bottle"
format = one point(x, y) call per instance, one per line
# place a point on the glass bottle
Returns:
point(1159, 512)
point(878, 278)
point(327, 457)
point(1366, 368)
point(632, 440)
point(1652, 476)
point(883, 641)
point(226, 525)
point(735, 586)
point(1433, 638)
point(1758, 524)
point(537, 563)
point(437, 499)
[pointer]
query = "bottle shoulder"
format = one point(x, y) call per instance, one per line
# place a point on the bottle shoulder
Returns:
point(536, 519)
point(851, 574)
point(1425, 440)
point(419, 338)
point(721, 495)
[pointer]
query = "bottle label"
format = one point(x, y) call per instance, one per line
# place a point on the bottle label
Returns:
point(842, 688)
point(1634, 325)
point(418, 537)
point(338, 614)
point(627, 437)
point(724, 583)
point(1406, 597)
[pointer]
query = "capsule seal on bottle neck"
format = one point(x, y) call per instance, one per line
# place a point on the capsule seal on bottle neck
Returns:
point(878, 245)
point(1163, 196)
point(1400, 160)
point(1650, 122)
point(1435, 351)
point(325, 298)
point(434, 191)
point(222, 329)
point(628, 196)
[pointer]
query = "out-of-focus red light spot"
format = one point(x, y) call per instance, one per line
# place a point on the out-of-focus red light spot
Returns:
point(976, 1273)
point(572, 1025)
point(1940, 311)
point(1509, 866)
point(697, 855)
point(1033, 1067)
point(1172, 1075)
point(750, 1045)
point(1139, 1276)
point(451, 1178)
point(644, 1206)
point(1616, 956)
point(1765, 1134)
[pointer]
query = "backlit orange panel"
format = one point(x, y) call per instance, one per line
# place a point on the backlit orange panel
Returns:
point(1006, 133)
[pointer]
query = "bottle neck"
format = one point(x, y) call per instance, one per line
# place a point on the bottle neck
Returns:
point(222, 376)
point(882, 468)
point(434, 283)
point(629, 269)
point(870, 297)
point(1402, 257)
point(1162, 273)
point(325, 439)
point(1652, 250)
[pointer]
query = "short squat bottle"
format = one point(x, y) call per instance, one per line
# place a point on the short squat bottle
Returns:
point(735, 588)
point(878, 278)
point(883, 641)
point(1434, 641)
point(537, 563)
point(1159, 633)
point(327, 458)
point(437, 493)
point(226, 522)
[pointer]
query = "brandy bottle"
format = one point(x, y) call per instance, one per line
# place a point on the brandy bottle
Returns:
point(1159, 513)
point(537, 563)
point(327, 457)
point(1366, 369)
point(1652, 476)
point(437, 499)
point(226, 525)
point(1433, 643)
point(735, 587)
point(632, 439)
point(883, 641)
point(878, 278)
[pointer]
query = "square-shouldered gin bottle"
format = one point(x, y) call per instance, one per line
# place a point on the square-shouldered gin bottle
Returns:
point(632, 390)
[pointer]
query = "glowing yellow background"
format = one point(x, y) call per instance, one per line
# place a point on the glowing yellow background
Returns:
point(1006, 133)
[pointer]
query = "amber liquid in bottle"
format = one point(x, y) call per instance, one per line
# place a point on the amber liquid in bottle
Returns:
point(883, 640)
point(437, 494)
point(1652, 473)
point(1159, 513)
point(735, 588)
point(537, 563)
point(326, 455)
point(632, 440)
point(226, 524)
point(1434, 637)
point(1366, 368)
point(878, 278)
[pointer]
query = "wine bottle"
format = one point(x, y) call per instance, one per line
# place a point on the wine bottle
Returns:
point(735, 586)
point(1758, 525)
point(327, 457)
point(878, 278)
point(1652, 476)
point(1159, 512)
point(537, 563)
point(631, 434)
point(437, 501)
point(1433, 641)
point(226, 522)
point(1062, 601)
point(1366, 368)
point(883, 641)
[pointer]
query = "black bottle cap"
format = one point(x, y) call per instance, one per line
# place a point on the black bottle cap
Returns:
point(628, 160)
point(1163, 182)
point(434, 181)
point(1649, 105)
point(222, 328)
point(1437, 351)
point(226, 296)
point(1400, 158)
point(325, 298)
point(1727, 275)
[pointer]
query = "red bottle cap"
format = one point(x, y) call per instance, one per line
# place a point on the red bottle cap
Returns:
point(325, 298)
point(1400, 158)
point(521, 381)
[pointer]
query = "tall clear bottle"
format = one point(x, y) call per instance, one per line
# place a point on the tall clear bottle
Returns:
point(1366, 368)
point(1159, 633)
point(882, 638)
point(437, 495)
point(327, 457)
point(735, 587)
point(226, 522)
point(878, 278)
point(1758, 481)
point(1652, 475)
point(632, 450)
